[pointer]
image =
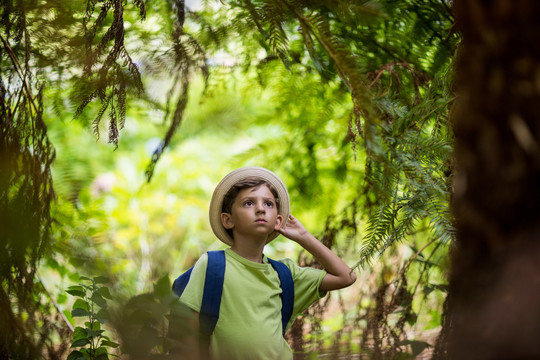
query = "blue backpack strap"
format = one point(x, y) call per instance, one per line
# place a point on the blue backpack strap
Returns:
point(211, 301)
point(287, 294)
point(213, 289)
point(180, 283)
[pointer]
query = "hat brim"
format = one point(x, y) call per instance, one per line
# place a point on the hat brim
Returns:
point(234, 177)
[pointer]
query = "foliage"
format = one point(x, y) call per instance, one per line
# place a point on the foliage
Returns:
point(102, 76)
point(154, 324)
point(26, 189)
point(398, 108)
point(91, 303)
point(150, 324)
point(347, 101)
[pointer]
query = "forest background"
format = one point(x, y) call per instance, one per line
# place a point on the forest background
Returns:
point(119, 117)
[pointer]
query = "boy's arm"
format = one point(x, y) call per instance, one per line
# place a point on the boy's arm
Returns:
point(339, 275)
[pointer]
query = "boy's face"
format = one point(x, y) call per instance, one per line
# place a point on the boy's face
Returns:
point(253, 214)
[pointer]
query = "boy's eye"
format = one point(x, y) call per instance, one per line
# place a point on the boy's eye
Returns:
point(269, 204)
point(248, 203)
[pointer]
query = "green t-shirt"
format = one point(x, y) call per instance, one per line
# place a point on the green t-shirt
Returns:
point(249, 325)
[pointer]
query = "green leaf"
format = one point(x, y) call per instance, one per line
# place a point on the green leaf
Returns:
point(80, 312)
point(80, 343)
point(75, 355)
point(99, 300)
point(94, 333)
point(84, 278)
point(103, 316)
point(104, 291)
point(86, 353)
point(163, 287)
point(435, 320)
point(101, 353)
point(76, 291)
point(79, 333)
point(81, 304)
point(411, 318)
point(95, 326)
point(67, 314)
point(109, 343)
point(61, 298)
point(75, 287)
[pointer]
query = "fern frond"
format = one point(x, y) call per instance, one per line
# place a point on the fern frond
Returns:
point(142, 8)
point(122, 107)
point(26, 190)
point(105, 63)
point(113, 127)
point(378, 232)
point(97, 120)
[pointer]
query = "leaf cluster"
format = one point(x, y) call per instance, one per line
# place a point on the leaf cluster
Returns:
point(108, 68)
point(26, 189)
point(394, 59)
point(150, 324)
point(92, 305)
point(154, 324)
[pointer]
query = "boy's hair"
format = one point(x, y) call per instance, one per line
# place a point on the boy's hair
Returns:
point(246, 183)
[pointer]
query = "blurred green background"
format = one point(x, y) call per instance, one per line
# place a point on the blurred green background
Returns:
point(346, 101)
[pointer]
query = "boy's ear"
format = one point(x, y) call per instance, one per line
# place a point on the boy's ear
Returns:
point(226, 220)
point(279, 221)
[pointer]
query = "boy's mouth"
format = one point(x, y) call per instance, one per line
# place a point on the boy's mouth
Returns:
point(260, 221)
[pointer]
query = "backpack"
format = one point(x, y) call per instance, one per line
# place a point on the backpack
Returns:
point(213, 289)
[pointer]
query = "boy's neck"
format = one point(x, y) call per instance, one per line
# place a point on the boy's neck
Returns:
point(249, 249)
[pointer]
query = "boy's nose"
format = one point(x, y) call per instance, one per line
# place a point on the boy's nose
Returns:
point(260, 208)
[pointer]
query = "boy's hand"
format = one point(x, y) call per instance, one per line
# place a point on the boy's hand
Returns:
point(294, 230)
point(339, 275)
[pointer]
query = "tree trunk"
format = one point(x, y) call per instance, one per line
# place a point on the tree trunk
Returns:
point(494, 296)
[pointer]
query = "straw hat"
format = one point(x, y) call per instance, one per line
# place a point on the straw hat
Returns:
point(231, 179)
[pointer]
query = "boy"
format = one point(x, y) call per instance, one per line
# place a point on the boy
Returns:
point(249, 208)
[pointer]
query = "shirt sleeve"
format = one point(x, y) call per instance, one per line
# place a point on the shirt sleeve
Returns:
point(307, 281)
point(193, 293)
